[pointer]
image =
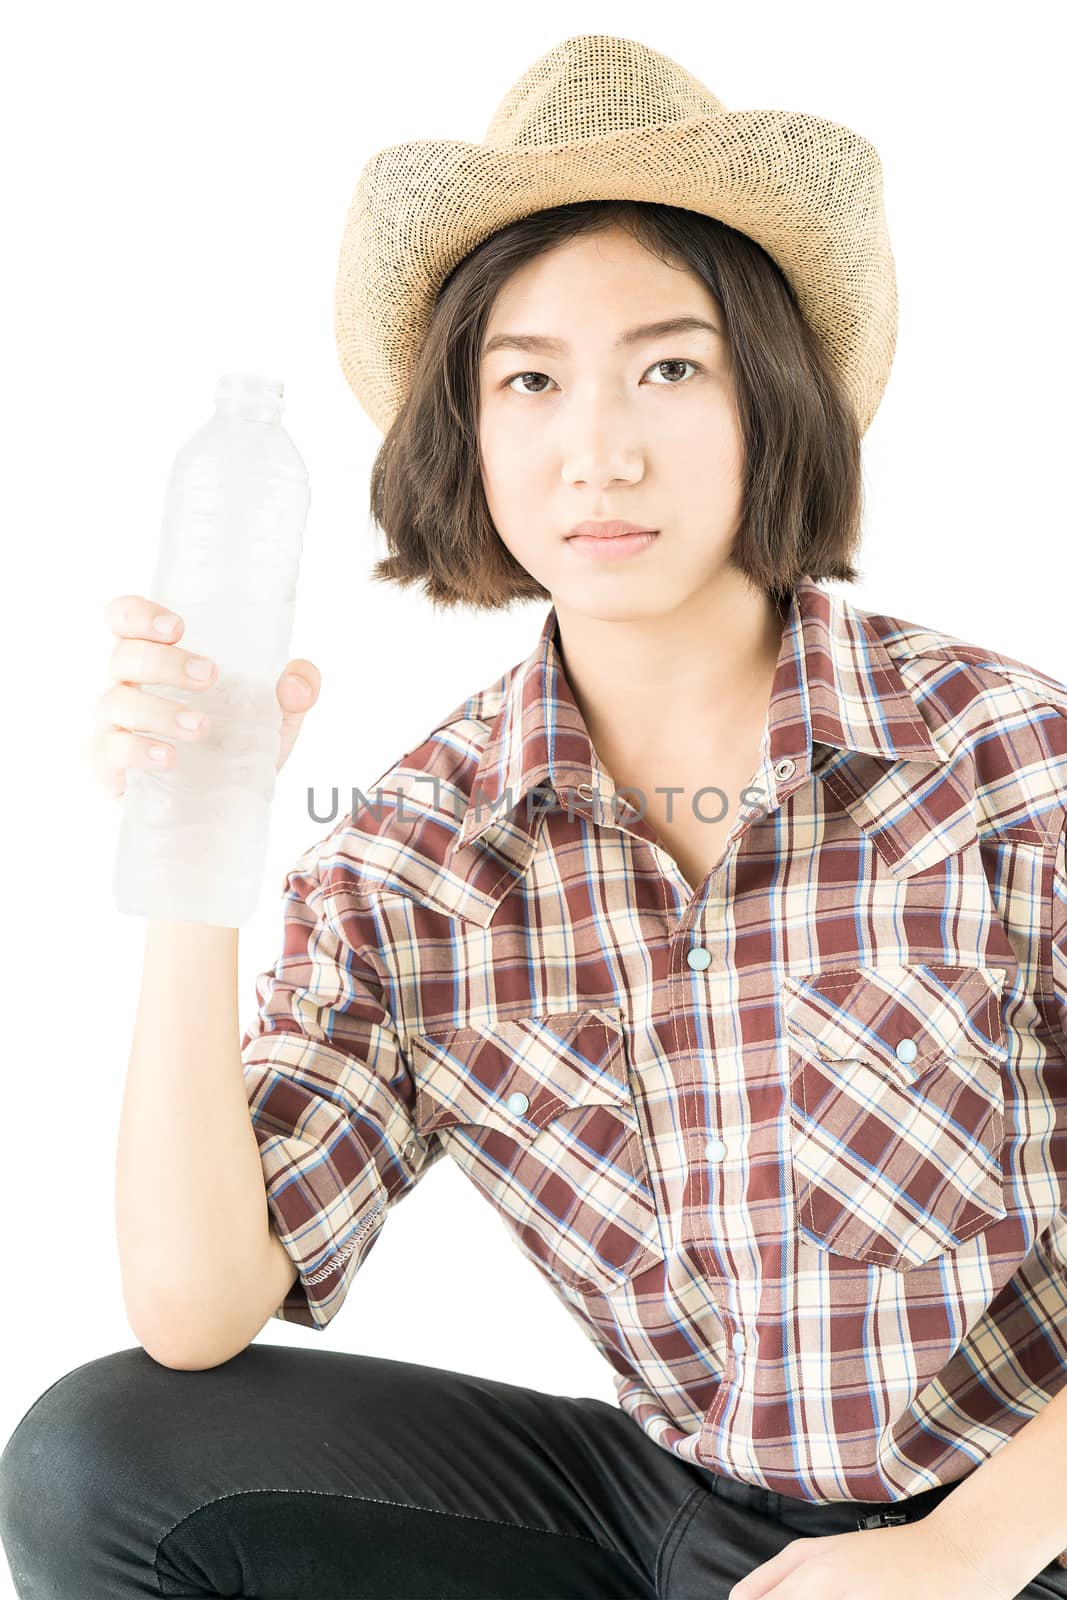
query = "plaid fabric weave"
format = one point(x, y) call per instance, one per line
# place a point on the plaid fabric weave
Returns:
point(791, 1144)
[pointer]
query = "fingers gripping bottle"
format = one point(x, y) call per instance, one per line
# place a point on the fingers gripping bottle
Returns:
point(193, 839)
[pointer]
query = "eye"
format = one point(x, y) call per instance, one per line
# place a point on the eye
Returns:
point(677, 361)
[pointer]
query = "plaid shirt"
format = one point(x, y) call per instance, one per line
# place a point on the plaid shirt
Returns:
point(792, 1148)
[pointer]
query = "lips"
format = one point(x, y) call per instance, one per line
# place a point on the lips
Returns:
point(604, 547)
point(606, 530)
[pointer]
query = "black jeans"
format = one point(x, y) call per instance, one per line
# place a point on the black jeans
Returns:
point(319, 1475)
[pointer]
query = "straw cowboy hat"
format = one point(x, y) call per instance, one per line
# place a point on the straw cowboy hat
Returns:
point(601, 118)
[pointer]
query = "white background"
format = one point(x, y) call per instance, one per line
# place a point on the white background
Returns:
point(176, 179)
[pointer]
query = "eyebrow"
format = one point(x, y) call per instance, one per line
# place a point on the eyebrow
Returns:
point(536, 342)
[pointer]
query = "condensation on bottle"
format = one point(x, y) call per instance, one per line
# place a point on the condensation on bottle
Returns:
point(193, 839)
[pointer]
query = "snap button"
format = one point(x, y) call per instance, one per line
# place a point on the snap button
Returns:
point(907, 1050)
point(785, 769)
point(518, 1102)
point(698, 957)
point(715, 1149)
point(410, 1150)
point(738, 1342)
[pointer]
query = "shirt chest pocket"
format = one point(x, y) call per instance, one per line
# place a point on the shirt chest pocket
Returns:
point(539, 1113)
point(896, 1109)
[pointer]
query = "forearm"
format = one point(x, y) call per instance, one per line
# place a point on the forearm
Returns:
point(190, 1201)
point(1010, 1514)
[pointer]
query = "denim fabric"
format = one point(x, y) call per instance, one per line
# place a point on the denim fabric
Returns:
point(290, 1472)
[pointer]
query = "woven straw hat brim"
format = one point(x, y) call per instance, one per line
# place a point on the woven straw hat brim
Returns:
point(807, 190)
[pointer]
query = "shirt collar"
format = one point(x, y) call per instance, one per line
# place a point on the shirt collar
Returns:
point(834, 683)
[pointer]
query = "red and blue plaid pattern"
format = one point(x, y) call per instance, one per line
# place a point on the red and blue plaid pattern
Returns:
point(790, 1144)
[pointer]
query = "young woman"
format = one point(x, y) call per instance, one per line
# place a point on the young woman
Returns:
point(722, 942)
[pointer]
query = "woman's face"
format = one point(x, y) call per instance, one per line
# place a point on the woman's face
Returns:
point(596, 428)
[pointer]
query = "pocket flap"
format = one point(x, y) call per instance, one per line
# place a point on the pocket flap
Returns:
point(900, 1019)
point(517, 1074)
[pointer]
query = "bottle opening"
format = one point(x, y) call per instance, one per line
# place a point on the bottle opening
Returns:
point(251, 395)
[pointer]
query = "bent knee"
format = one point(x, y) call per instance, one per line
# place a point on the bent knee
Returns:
point(76, 1417)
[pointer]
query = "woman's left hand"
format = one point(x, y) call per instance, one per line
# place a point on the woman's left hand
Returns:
point(916, 1558)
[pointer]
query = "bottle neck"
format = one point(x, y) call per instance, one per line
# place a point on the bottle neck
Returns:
point(250, 396)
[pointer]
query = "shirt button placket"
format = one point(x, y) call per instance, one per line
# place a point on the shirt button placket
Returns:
point(698, 957)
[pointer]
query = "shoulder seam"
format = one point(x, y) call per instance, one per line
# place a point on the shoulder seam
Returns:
point(1046, 688)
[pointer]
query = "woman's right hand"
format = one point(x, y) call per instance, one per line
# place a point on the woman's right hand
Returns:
point(144, 656)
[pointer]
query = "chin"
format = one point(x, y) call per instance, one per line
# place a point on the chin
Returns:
point(618, 607)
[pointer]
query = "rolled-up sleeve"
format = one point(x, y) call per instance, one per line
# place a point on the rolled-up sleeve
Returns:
point(331, 1100)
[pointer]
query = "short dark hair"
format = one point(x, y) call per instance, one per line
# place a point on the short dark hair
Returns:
point(802, 492)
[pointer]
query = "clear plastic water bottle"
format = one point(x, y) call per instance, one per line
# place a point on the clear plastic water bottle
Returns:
point(193, 840)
